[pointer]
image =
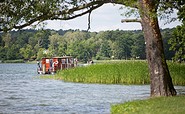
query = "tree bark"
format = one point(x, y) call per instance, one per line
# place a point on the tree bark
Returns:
point(161, 81)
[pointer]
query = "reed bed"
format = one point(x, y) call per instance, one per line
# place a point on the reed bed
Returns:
point(119, 72)
point(177, 72)
point(122, 72)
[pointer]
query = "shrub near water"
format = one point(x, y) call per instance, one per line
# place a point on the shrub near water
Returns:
point(122, 72)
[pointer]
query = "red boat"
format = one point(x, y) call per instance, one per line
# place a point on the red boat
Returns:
point(52, 65)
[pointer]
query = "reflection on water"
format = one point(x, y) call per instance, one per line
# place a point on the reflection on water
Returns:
point(22, 92)
point(180, 90)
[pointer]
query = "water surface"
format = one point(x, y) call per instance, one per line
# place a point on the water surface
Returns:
point(22, 92)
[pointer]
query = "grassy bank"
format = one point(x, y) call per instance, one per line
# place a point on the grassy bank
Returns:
point(14, 61)
point(18, 61)
point(119, 72)
point(161, 105)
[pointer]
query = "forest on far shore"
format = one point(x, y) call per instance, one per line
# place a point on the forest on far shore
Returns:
point(29, 44)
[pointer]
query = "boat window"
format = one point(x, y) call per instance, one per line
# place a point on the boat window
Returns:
point(63, 61)
point(47, 60)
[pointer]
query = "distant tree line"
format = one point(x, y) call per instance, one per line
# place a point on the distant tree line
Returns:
point(31, 44)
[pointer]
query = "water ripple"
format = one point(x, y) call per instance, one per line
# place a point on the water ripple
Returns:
point(22, 93)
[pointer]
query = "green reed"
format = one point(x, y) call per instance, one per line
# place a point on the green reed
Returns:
point(177, 72)
point(122, 72)
point(119, 72)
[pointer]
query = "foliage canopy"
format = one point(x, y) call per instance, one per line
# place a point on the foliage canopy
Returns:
point(18, 14)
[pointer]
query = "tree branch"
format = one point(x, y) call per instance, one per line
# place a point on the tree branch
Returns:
point(89, 21)
point(78, 15)
point(60, 14)
point(63, 14)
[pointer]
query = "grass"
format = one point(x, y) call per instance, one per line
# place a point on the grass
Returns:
point(118, 72)
point(50, 77)
point(122, 72)
point(14, 61)
point(160, 105)
point(177, 72)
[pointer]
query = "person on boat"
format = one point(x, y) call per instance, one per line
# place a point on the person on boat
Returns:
point(38, 63)
point(76, 61)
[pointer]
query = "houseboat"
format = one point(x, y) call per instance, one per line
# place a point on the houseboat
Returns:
point(52, 65)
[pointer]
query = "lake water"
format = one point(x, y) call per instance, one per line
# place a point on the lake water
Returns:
point(22, 92)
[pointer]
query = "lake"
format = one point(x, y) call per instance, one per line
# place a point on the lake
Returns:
point(23, 92)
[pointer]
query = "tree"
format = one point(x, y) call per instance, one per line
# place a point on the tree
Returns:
point(27, 52)
point(160, 79)
point(92, 45)
point(53, 46)
point(177, 42)
point(181, 10)
point(14, 12)
point(23, 37)
point(12, 52)
point(62, 48)
point(7, 39)
point(122, 47)
point(2, 53)
point(41, 54)
point(105, 49)
point(39, 40)
point(167, 34)
point(138, 47)
point(1, 42)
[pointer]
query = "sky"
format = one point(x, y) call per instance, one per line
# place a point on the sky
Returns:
point(107, 17)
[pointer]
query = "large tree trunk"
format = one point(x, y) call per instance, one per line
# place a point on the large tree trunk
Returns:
point(161, 82)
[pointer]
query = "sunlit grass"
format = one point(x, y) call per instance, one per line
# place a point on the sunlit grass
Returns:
point(161, 105)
